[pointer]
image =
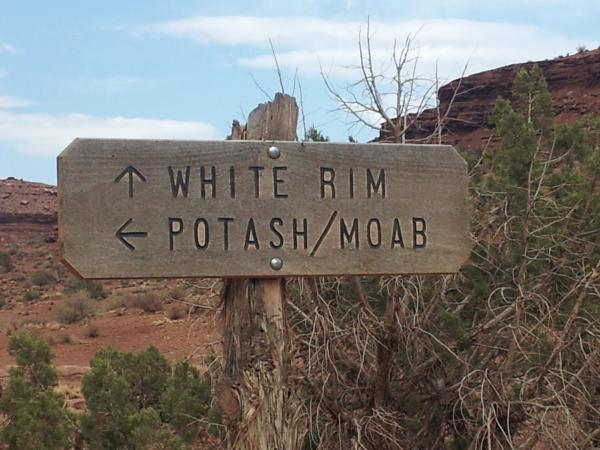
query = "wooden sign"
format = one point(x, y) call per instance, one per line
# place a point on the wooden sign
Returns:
point(144, 209)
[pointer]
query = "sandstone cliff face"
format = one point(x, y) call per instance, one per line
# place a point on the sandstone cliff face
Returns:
point(24, 202)
point(573, 81)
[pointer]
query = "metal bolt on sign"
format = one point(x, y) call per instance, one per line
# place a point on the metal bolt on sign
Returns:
point(274, 152)
point(276, 263)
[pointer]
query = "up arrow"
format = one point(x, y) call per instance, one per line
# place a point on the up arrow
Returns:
point(130, 170)
point(121, 234)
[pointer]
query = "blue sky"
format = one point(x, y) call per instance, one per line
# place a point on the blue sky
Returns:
point(185, 69)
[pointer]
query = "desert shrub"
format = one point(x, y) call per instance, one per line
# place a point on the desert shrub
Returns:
point(65, 338)
point(75, 307)
point(148, 432)
point(42, 279)
point(19, 277)
point(68, 338)
point(114, 302)
point(11, 327)
point(31, 295)
point(177, 312)
point(121, 391)
point(94, 290)
point(34, 357)
point(177, 293)
point(5, 264)
point(149, 303)
point(91, 330)
point(2, 300)
point(186, 399)
point(37, 418)
point(134, 399)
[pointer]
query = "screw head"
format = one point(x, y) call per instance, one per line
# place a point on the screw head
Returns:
point(274, 152)
point(276, 263)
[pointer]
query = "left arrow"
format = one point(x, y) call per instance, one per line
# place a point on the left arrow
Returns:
point(121, 234)
point(131, 171)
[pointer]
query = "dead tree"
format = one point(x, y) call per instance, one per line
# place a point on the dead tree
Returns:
point(392, 102)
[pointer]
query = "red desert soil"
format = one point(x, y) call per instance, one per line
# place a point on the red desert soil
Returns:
point(28, 234)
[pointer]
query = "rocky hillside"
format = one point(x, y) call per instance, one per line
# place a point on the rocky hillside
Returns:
point(34, 287)
point(24, 202)
point(573, 81)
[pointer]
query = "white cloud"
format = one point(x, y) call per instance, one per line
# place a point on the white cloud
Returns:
point(306, 42)
point(47, 134)
point(9, 101)
point(255, 31)
point(7, 48)
point(108, 85)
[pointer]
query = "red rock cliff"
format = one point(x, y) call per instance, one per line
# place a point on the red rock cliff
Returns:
point(573, 81)
point(25, 202)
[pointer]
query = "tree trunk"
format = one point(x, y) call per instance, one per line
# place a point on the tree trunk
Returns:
point(269, 413)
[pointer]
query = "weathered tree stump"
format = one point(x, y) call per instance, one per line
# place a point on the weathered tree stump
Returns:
point(258, 350)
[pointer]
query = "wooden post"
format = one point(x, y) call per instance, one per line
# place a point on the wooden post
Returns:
point(257, 345)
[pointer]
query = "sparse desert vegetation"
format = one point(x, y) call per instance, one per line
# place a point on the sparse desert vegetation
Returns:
point(177, 312)
point(133, 400)
point(75, 307)
point(31, 295)
point(42, 279)
point(94, 289)
point(92, 330)
point(148, 302)
point(5, 262)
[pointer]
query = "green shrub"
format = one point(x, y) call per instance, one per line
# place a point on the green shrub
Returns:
point(134, 400)
point(452, 325)
point(31, 295)
point(42, 279)
point(75, 307)
point(5, 264)
point(37, 418)
point(185, 400)
point(34, 357)
point(94, 290)
point(149, 433)
point(121, 390)
point(314, 135)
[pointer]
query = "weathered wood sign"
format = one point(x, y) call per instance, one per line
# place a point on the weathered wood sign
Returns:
point(142, 209)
